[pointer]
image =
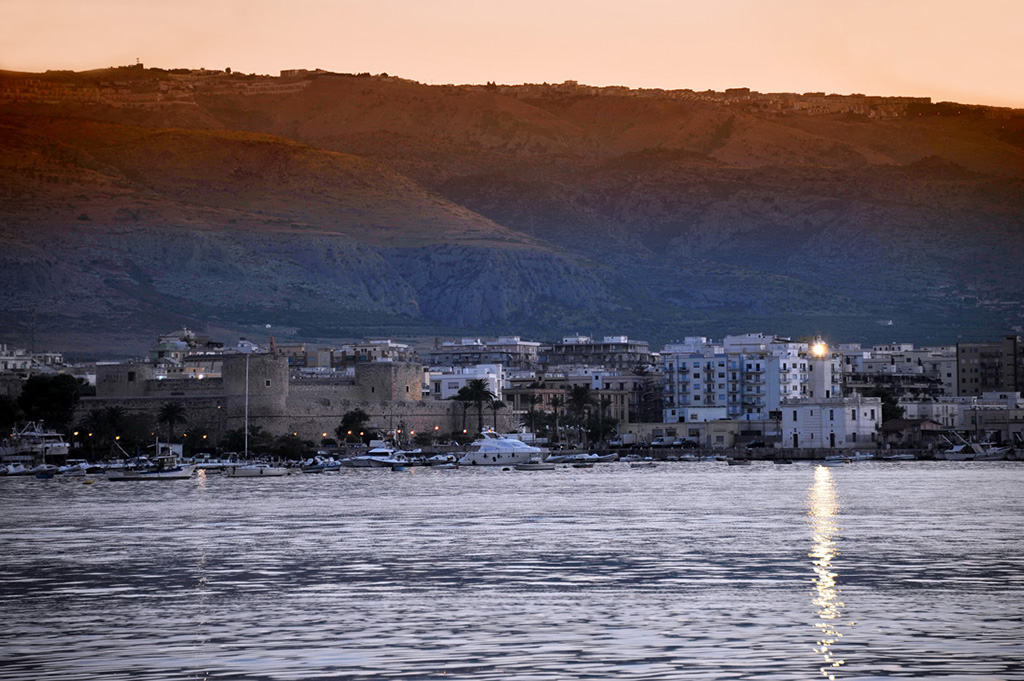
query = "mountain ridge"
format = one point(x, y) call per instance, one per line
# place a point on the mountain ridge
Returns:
point(470, 210)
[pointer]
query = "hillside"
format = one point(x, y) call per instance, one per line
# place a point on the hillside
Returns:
point(338, 205)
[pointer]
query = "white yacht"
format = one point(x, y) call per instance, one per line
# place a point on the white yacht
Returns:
point(34, 444)
point(494, 450)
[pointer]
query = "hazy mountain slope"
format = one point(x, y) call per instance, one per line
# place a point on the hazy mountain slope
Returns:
point(138, 228)
point(491, 209)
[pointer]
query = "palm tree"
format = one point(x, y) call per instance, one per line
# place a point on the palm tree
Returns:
point(555, 403)
point(496, 405)
point(477, 391)
point(463, 398)
point(532, 400)
point(172, 413)
point(580, 400)
point(603, 405)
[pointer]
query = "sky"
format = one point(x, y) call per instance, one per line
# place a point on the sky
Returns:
point(949, 50)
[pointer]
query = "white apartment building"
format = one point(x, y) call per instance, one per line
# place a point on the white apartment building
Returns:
point(746, 377)
point(831, 423)
point(447, 384)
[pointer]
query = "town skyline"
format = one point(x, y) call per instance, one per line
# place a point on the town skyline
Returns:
point(795, 46)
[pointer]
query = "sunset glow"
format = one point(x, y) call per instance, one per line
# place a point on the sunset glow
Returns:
point(942, 49)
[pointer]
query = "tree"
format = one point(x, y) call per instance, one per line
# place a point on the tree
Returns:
point(463, 397)
point(50, 399)
point(532, 400)
point(479, 393)
point(555, 403)
point(580, 401)
point(891, 408)
point(352, 422)
point(10, 414)
point(496, 406)
point(171, 414)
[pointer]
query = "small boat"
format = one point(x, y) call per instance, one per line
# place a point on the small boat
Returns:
point(737, 462)
point(254, 470)
point(535, 466)
point(832, 461)
point(582, 465)
point(783, 461)
point(643, 464)
point(588, 458)
point(166, 468)
point(899, 457)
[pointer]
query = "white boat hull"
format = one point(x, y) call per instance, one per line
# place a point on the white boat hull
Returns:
point(179, 473)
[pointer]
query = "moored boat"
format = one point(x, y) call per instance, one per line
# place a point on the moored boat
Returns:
point(166, 468)
point(494, 450)
point(254, 470)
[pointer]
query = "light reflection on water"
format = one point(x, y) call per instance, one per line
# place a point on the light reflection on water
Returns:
point(687, 571)
point(824, 508)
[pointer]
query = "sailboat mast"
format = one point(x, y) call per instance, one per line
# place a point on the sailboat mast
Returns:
point(246, 452)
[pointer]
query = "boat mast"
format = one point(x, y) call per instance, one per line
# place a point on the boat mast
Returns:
point(245, 453)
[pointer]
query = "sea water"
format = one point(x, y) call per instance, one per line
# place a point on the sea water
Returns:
point(682, 571)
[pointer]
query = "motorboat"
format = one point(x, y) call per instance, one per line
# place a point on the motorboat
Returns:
point(737, 462)
point(166, 468)
point(493, 449)
point(254, 470)
point(535, 465)
point(974, 451)
point(34, 444)
point(590, 458)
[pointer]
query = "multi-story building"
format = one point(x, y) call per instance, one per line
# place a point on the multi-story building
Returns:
point(900, 369)
point(622, 392)
point(509, 351)
point(833, 423)
point(612, 352)
point(375, 351)
point(996, 366)
point(445, 385)
point(746, 377)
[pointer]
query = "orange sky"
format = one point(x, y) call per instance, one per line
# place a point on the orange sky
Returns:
point(959, 50)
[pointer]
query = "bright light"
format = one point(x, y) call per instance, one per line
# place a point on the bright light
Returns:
point(819, 349)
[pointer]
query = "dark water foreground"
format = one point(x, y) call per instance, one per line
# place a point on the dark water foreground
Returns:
point(684, 571)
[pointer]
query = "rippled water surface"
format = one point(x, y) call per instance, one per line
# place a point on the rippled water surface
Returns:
point(684, 571)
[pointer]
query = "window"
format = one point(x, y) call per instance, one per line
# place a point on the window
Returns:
point(794, 414)
point(872, 414)
point(267, 383)
point(131, 376)
point(853, 414)
point(831, 415)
